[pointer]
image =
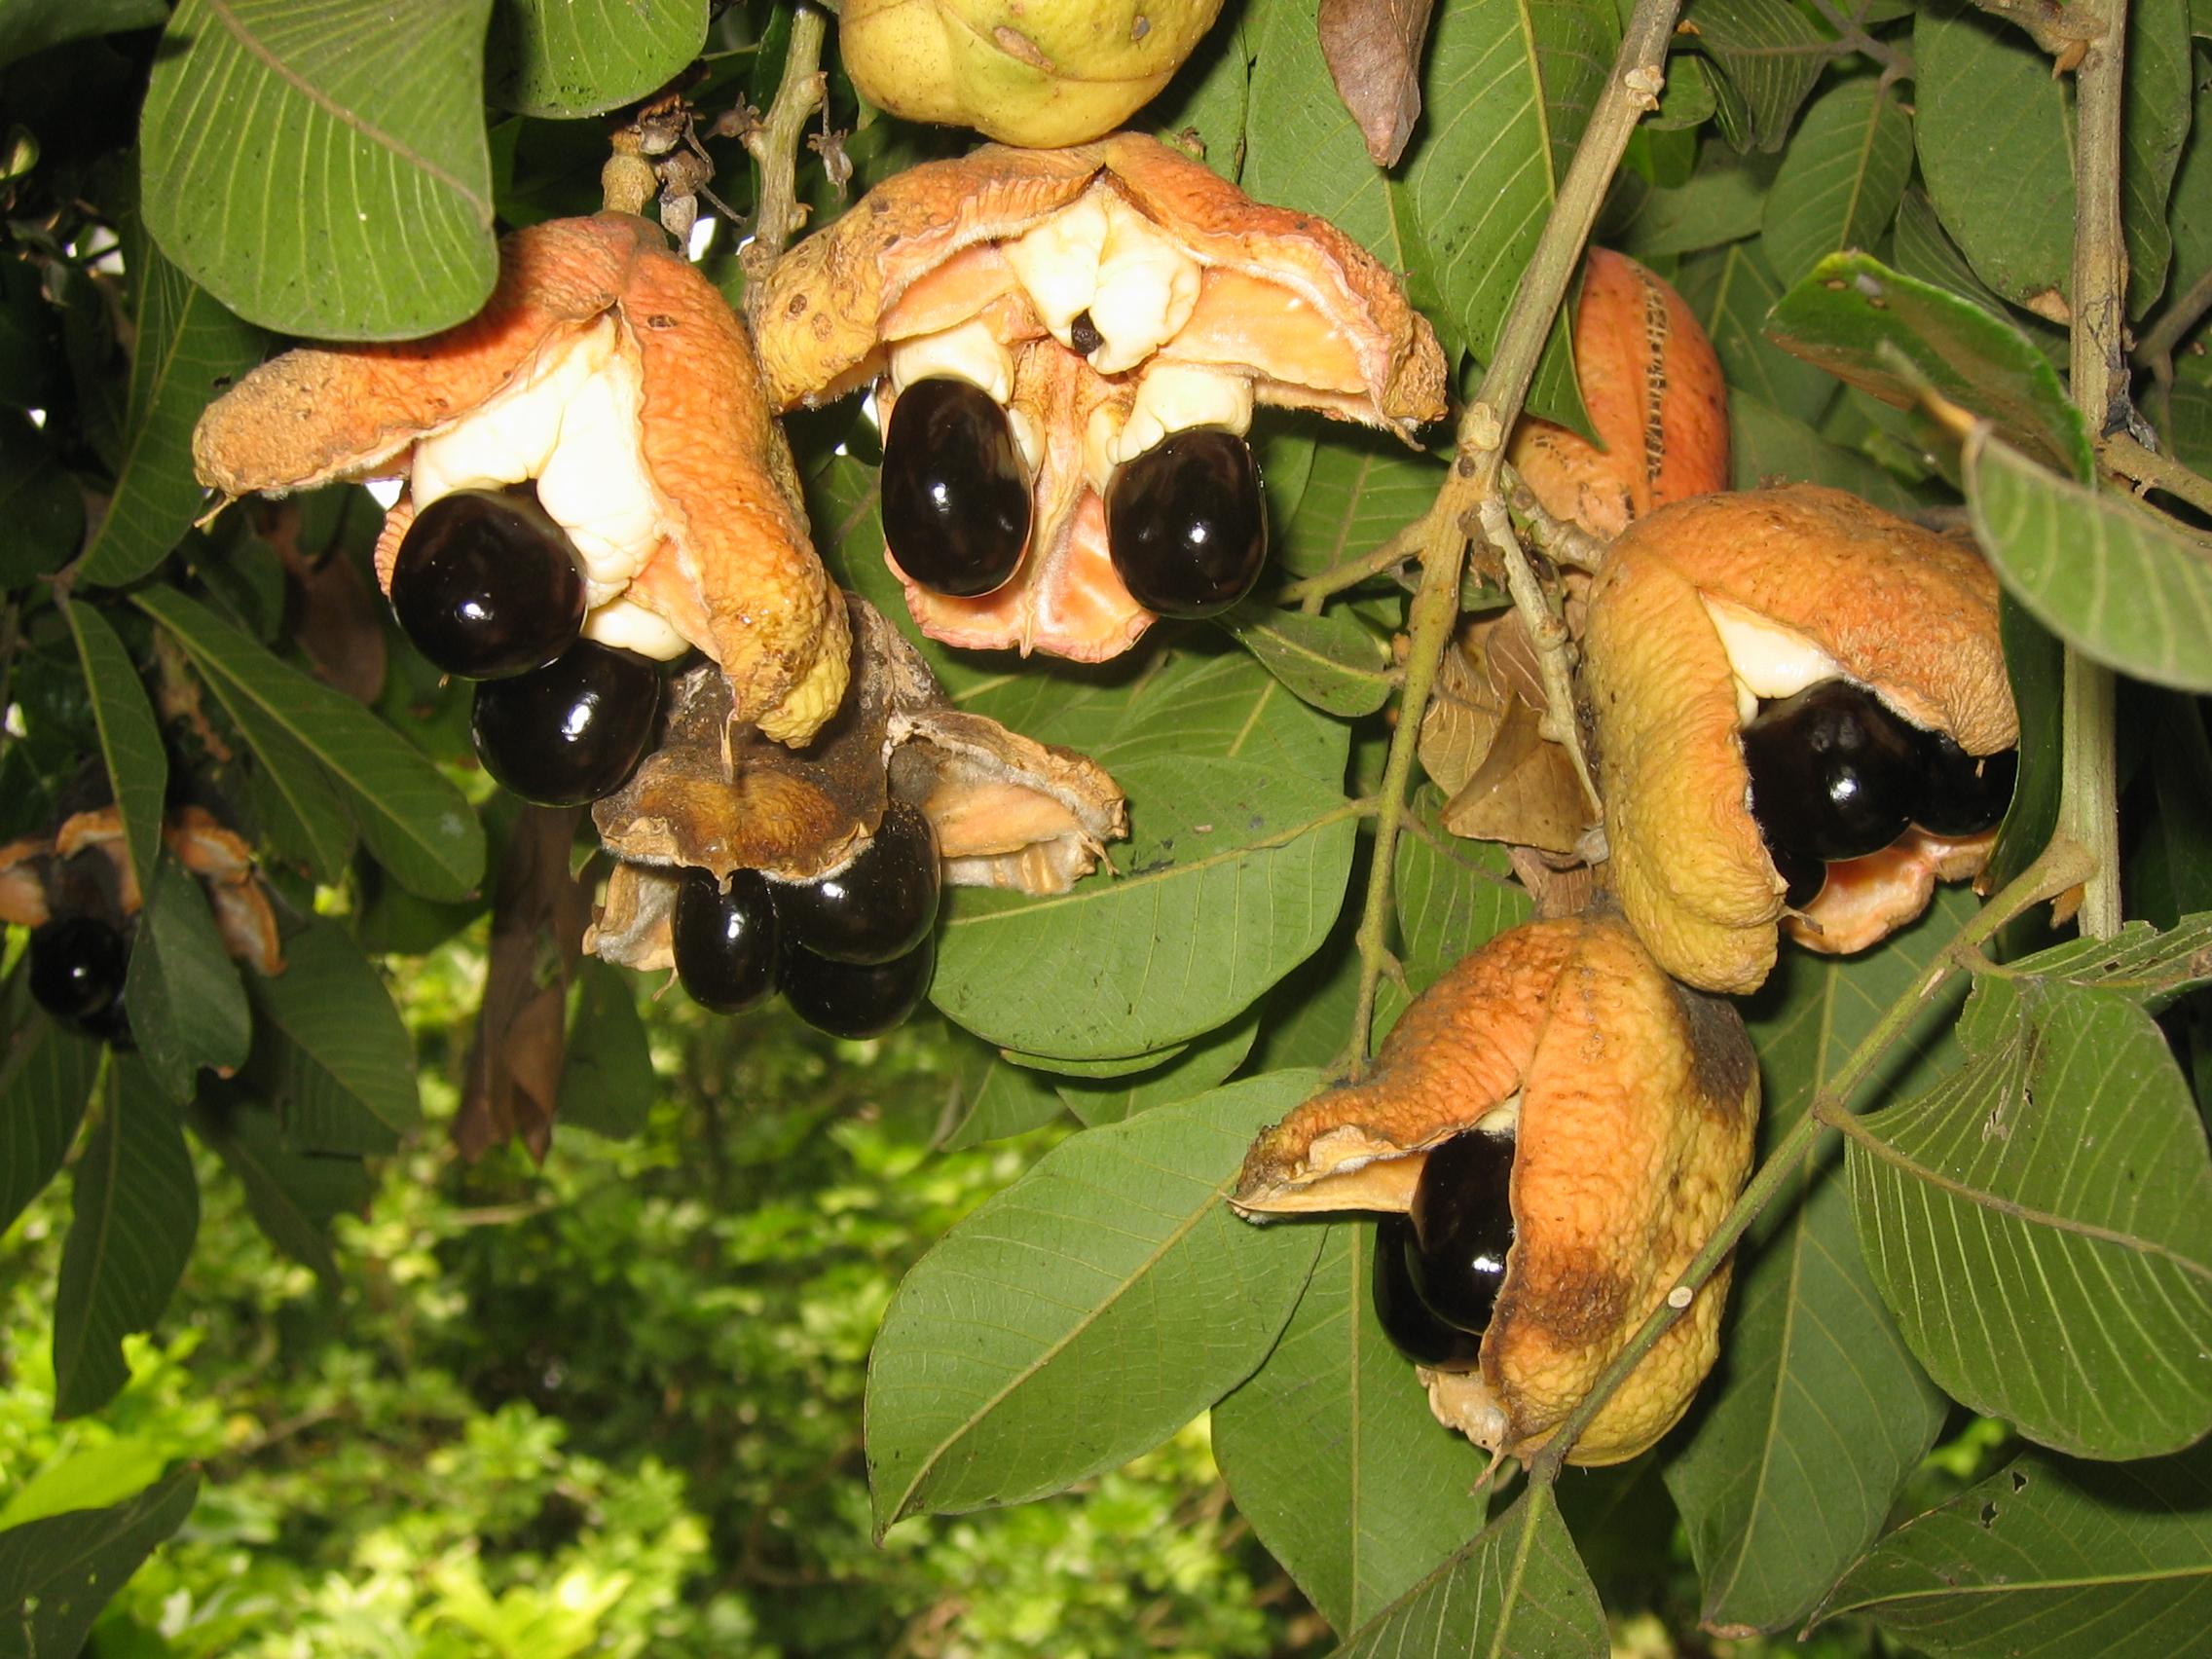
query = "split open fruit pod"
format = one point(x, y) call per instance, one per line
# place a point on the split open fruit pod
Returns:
point(1800, 708)
point(1067, 348)
point(1004, 811)
point(608, 372)
point(1651, 385)
point(1611, 1107)
point(1022, 71)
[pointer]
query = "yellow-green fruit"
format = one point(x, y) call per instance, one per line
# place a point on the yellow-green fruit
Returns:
point(1034, 72)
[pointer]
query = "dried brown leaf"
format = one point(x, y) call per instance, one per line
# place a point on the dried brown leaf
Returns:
point(1373, 49)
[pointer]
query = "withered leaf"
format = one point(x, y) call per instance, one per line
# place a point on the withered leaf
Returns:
point(1481, 739)
point(333, 613)
point(1372, 49)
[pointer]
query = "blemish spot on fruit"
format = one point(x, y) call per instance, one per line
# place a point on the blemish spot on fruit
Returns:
point(1140, 28)
point(1016, 45)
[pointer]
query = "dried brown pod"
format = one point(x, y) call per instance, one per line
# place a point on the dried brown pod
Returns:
point(1104, 296)
point(1709, 606)
point(609, 370)
point(1630, 1101)
point(1651, 385)
point(1008, 812)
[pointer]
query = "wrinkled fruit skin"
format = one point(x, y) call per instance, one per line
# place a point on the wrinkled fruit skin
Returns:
point(881, 906)
point(1637, 1101)
point(727, 945)
point(487, 585)
point(570, 732)
point(847, 1000)
point(77, 969)
point(955, 494)
point(1186, 526)
point(1042, 72)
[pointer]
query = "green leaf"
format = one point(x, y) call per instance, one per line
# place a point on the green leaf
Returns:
point(2106, 577)
point(44, 507)
point(2041, 1221)
point(562, 59)
point(345, 1066)
point(416, 822)
point(130, 741)
point(187, 1007)
point(1769, 55)
point(2146, 966)
point(1085, 1313)
point(1842, 177)
point(87, 1474)
point(2035, 662)
point(1452, 895)
point(1853, 311)
point(606, 1078)
point(188, 349)
point(1517, 1588)
point(991, 1098)
point(2048, 1558)
point(1197, 1068)
point(1722, 202)
point(45, 1081)
point(1767, 447)
point(2155, 123)
point(1233, 874)
point(1331, 1453)
point(1329, 660)
point(1209, 98)
point(1732, 290)
point(1818, 1413)
point(56, 1574)
point(1361, 491)
point(135, 1211)
point(32, 26)
point(1107, 1070)
point(322, 169)
point(301, 810)
point(292, 1195)
point(1921, 250)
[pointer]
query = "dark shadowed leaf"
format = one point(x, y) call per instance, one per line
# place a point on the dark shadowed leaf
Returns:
point(1197, 1068)
point(1768, 54)
point(341, 1063)
point(608, 1085)
point(301, 810)
point(130, 742)
point(135, 1211)
point(991, 1098)
point(417, 824)
point(43, 506)
point(1817, 1412)
point(292, 1196)
point(1085, 1313)
point(1920, 249)
point(188, 349)
point(1332, 1455)
point(1841, 178)
point(1208, 101)
point(322, 169)
point(1518, 1587)
point(1732, 290)
point(1452, 895)
point(2106, 577)
point(2049, 1558)
point(1373, 49)
point(2035, 664)
point(1327, 660)
point(561, 58)
point(1768, 447)
point(187, 1008)
point(45, 1082)
point(1721, 202)
point(32, 26)
point(2040, 1222)
point(56, 1574)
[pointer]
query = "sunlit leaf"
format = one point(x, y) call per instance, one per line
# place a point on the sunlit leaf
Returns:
point(45, 1081)
point(322, 169)
point(344, 1064)
point(1360, 491)
point(56, 1574)
point(1085, 1313)
point(186, 1006)
point(2040, 1222)
point(1841, 178)
point(1332, 1455)
point(32, 26)
point(130, 742)
point(2145, 964)
point(562, 59)
point(136, 1210)
point(2106, 577)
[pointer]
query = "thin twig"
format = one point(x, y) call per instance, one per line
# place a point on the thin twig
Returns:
point(1851, 34)
point(2155, 471)
point(1311, 591)
point(774, 143)
point(1630, 90)
point(2156, 349)
point(1547, 632)
point(1561, 541)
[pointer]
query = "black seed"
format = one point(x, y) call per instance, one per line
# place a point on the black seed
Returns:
point(487, 585)
point(1417, 1333)
point(1184, 525)
point(1463, 1221)
point(882, 906)
point(1835, 774)
point(1805, 874)
point(570, 732)
point(849, 999)
point(955, 494)
point(1084, 335)
point(726, 943)
point(1963, 794)
point(76, 967)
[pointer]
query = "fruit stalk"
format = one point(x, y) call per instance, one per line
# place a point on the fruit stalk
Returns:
point(773, 145)
point(1630, 89)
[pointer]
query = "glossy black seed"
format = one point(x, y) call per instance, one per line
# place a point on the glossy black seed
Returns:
point(487, 585)
point(1084, 335)
point(565, 734)
point(1417, 1333)
point(1185, 523)
point(1462, 1220)
point(76, 967)
point(110, 1025)
point(1806, 874)
point(1963, 794)
point(881, 906)
point(726, 943)
point(955, 494)
point(849, 999)
point(1835, 774)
